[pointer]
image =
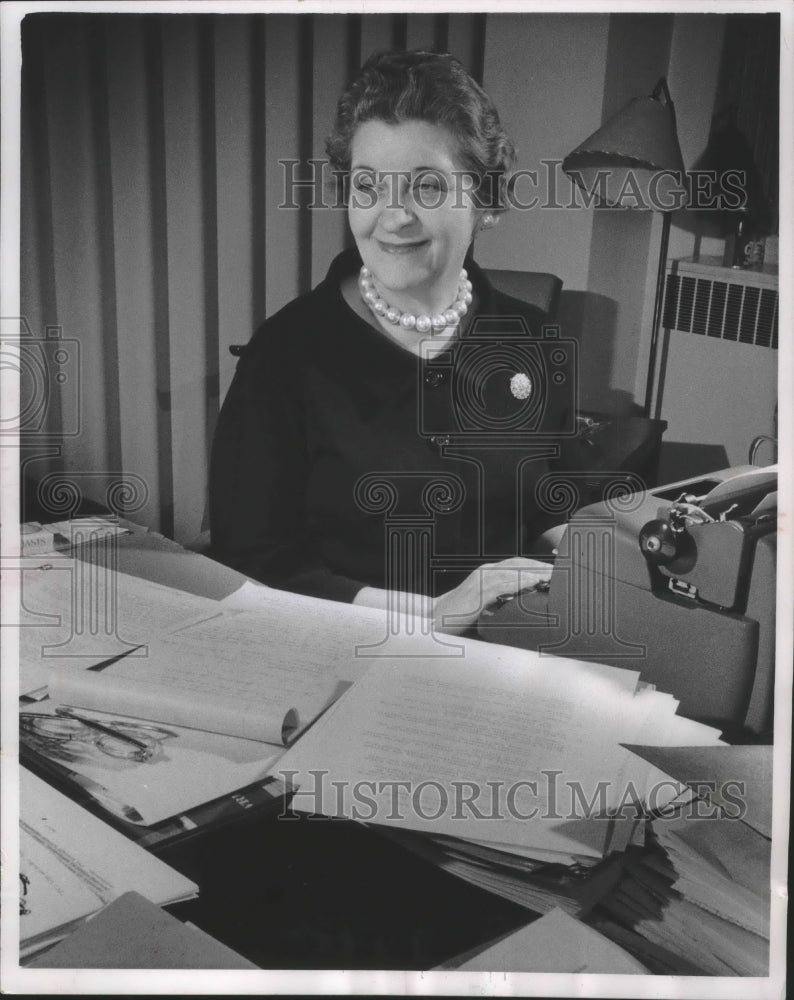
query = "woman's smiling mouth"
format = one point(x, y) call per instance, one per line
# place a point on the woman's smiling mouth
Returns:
point(402, 248)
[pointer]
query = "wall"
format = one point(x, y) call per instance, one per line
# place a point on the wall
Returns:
point(556, 78)
point(718, 396)
point(696, 43)
point(545, 73)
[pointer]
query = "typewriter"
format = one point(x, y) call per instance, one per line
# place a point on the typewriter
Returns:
point(677, 582)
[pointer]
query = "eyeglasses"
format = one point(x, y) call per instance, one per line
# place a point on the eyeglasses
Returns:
point(66, 738)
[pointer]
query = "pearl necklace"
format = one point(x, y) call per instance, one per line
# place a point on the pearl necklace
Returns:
point(409, 321)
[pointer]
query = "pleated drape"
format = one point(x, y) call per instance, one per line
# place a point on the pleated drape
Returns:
point(152, 232)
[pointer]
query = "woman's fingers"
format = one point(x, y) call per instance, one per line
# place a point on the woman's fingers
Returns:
point(463, 605)
point(520, 562)
point(512, 575)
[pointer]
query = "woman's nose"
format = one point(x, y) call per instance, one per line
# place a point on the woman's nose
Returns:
point(395, 215)
point(397, 208)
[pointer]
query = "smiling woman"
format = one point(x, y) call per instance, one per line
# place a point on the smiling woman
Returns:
point(351, 405)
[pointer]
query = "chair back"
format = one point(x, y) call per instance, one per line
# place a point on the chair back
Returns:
point(538, 288)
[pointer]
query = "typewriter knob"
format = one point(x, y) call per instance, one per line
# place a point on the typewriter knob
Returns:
point(658, 542)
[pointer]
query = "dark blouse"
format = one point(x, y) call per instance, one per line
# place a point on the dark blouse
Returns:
point(335, 446)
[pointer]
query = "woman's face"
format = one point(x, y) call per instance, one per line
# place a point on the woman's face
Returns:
point(410, 211)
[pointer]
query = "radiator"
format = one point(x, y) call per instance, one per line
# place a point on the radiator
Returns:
point(718, 384)
point(723, 302)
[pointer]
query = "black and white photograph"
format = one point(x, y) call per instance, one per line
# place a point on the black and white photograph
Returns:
point(391, 423)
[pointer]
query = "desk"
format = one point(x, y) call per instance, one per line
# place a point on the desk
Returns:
point(612, 445)
point(309, 893)
point(624, 444)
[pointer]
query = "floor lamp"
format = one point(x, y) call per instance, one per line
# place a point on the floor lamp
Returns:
point(634, 161)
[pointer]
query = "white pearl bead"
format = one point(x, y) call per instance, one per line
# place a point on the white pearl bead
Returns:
point(408, 321)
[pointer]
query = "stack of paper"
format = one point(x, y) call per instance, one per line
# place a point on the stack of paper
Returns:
point(574, 888)
point(702, 891)
point(72, 864)
point(41, 539)
point(502, 766)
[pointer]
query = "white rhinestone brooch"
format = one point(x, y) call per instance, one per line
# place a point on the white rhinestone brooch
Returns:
point(521, 385)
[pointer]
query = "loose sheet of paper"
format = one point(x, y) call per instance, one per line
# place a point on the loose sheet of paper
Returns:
point(240, 673)
point(71, 864)
point(184, 767)
point(78, 613)
point(743, 773)
point(554, 943)
point(764, 477)
point(492, 723)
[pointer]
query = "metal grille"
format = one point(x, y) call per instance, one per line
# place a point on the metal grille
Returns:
point(726, 310)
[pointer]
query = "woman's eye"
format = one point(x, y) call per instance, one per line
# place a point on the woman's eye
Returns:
point(428, 190)
point(363, 182)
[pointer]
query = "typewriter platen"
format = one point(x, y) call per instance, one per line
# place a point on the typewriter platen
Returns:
point(677, 582)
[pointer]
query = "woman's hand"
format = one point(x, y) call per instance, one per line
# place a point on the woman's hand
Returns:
point(457, 609)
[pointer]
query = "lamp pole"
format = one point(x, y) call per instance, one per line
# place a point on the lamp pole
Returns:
point(641, 138)
point(658, 306)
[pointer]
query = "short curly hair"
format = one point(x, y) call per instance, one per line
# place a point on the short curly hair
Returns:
point(395, 87)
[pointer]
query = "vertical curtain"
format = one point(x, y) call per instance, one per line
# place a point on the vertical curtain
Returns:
point(749, 93)
point(155, 233)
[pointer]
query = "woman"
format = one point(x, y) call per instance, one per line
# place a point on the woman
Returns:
point(351, 379)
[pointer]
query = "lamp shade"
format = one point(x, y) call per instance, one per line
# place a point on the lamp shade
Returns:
point(634, 160)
